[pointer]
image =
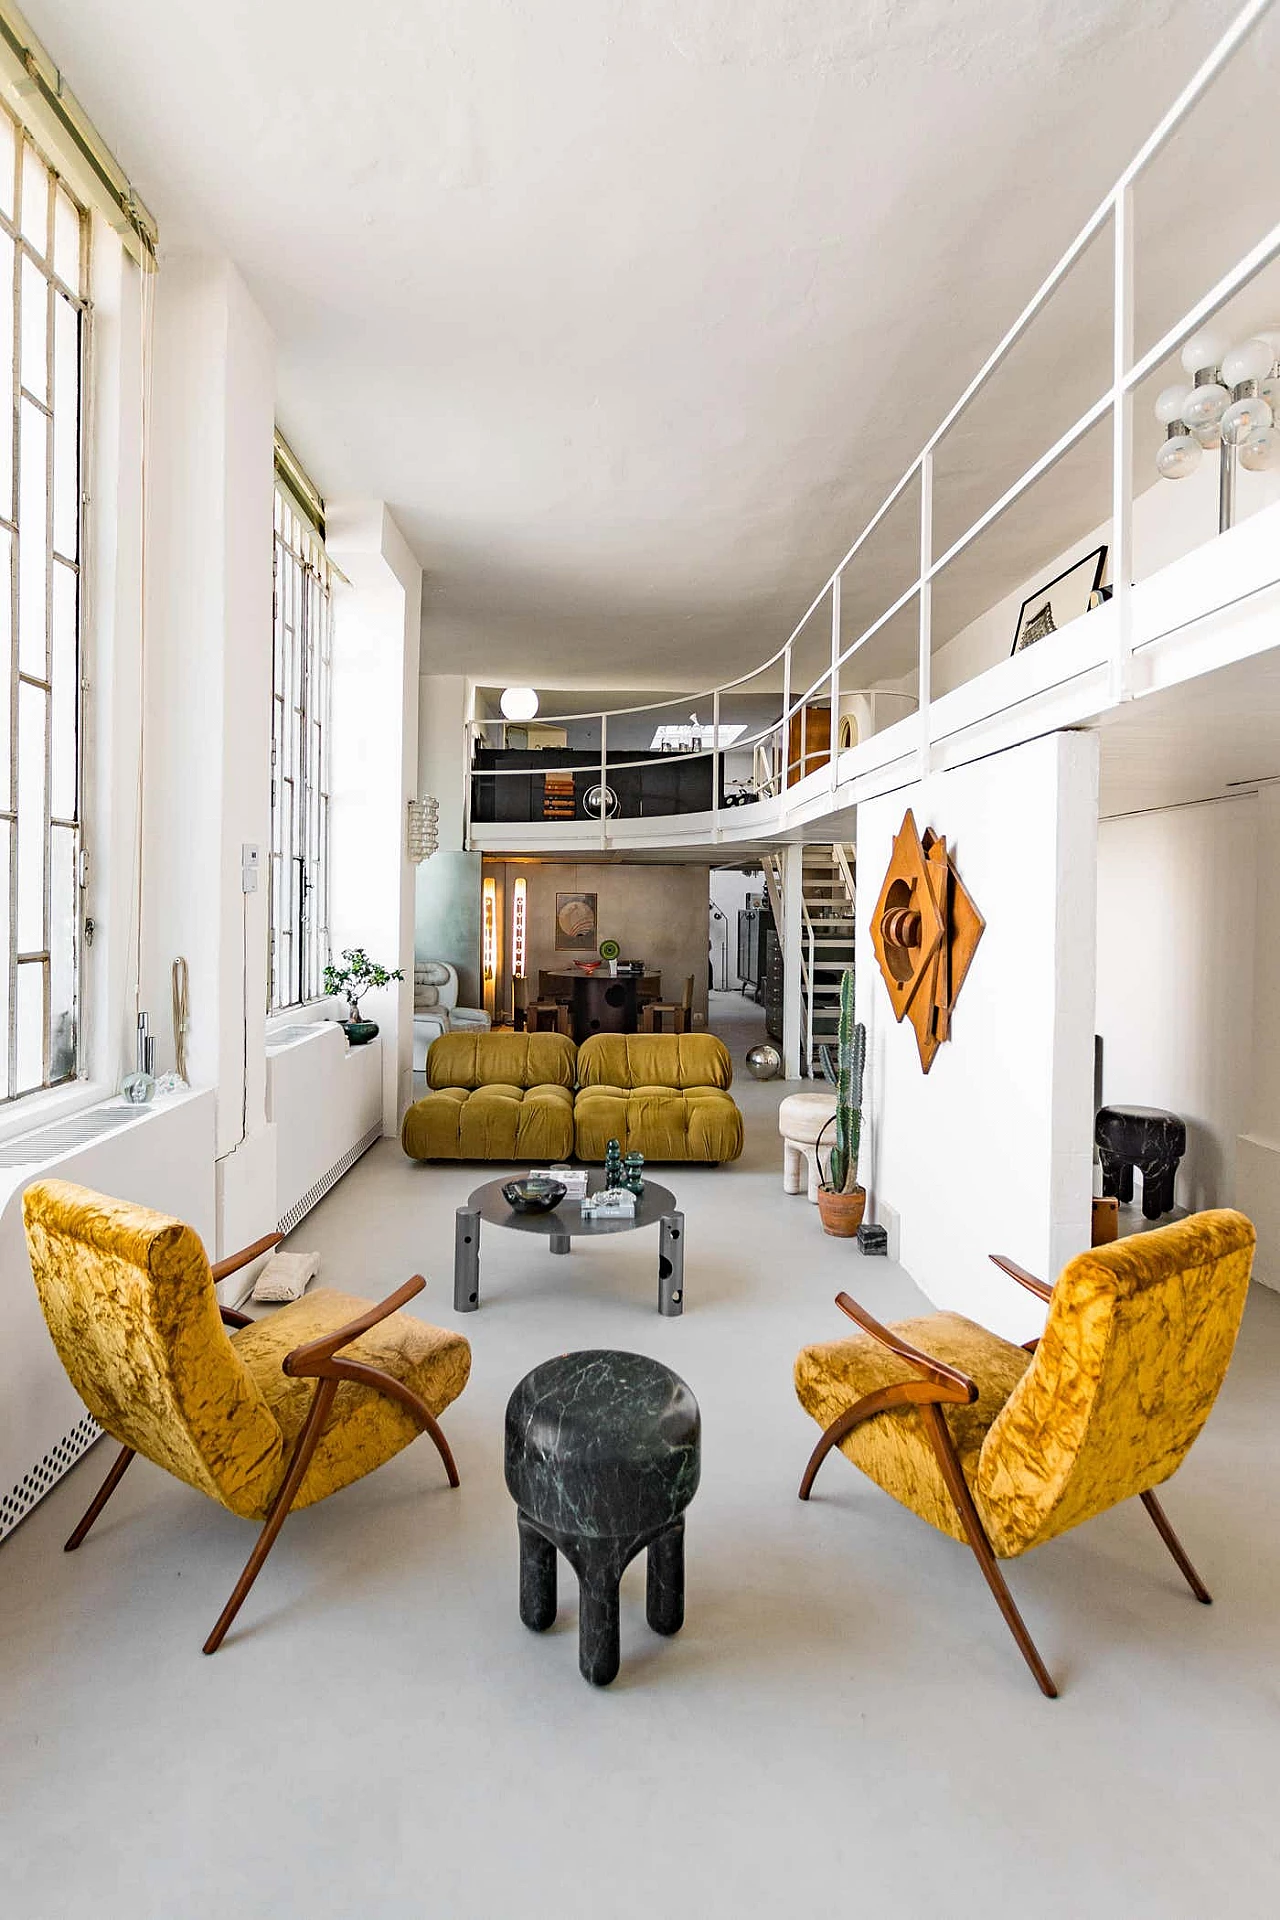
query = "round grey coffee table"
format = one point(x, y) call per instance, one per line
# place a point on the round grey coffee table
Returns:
point(656, 1207)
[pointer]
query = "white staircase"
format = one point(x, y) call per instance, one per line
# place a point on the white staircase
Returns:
point(827, 945)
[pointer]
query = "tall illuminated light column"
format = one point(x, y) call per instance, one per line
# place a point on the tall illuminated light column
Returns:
point(489, 942)
point(519, 924)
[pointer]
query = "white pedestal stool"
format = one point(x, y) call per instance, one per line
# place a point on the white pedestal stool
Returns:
point(801, 1118)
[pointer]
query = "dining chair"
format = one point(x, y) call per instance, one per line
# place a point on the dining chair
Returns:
point(1004, 1447)
point(264, 1416)
point(669, 1016)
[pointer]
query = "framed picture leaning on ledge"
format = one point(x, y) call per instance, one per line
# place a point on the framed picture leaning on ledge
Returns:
point(1062, 599)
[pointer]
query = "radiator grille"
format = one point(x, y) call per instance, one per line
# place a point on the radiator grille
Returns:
point(36, 1482)
point(315, 1194)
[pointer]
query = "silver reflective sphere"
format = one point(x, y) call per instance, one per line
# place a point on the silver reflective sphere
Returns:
point(764, 1062)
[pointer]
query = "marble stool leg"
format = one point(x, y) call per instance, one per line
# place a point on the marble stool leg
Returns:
point(1117, 1176)
point(815, 1173)
point(1157, 1189)
point(664, 1588)
point(792, 1167)
point(466, 1261)
point(599, 1571)
point(537, 1577)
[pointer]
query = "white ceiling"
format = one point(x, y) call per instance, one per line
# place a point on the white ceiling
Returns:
point(1204, 739)
point(634, 309)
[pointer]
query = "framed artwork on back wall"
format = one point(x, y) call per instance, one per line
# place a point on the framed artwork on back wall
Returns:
point(576, 921)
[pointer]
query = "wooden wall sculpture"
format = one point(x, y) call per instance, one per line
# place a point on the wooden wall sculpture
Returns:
point(925, 931)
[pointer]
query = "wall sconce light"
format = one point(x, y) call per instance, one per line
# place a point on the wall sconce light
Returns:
point(519, 924)
point(489, 930)
point(422, 834)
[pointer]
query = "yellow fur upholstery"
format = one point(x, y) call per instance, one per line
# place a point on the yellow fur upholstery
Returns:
point(495, 1096)
point(660, 1094)
point(1135, 1348)
point(130, 1303)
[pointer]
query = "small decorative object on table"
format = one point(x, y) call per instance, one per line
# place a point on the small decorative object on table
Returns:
point(633, 1173)
point(355, 977)
point(841, 1201)
point(764, 1062)
point(612, 1164)
point(534, 1195)
point(610, 952)
point(572, 1179)
point(611, 1203)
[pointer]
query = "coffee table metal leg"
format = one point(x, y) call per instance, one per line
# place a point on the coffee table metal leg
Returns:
point(561, 1243)
point(466, 1261)
point(671, 1264)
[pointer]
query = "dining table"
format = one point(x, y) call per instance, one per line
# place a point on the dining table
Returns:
point(600, 1000)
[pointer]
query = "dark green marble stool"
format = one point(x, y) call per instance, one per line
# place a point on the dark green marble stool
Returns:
point(602, 1458)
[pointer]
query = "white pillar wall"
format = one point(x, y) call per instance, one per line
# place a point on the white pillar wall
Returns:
point(991, 1151)
point(448, 885)
point(207, 748)
point(1258, 1148)
point(374, 768)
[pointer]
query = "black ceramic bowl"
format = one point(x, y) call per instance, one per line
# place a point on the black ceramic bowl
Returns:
point(533, 1196)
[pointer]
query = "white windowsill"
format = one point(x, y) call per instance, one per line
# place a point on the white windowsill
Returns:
point(36, 1110)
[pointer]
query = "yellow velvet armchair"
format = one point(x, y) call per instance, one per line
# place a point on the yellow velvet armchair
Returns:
point(1004, 1446)
point(275, 1413)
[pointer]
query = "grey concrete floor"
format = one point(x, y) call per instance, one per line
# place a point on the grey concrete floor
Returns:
point(843, 1725)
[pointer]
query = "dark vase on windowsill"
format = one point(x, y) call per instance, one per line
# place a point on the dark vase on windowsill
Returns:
point(360, 1032)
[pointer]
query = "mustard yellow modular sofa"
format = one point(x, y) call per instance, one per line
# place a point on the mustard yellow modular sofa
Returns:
point(1004, 1447)
point(263, 1416)
point(495, 1096)
point(664, 1095)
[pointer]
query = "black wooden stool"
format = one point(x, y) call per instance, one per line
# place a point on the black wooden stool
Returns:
point(1146, 1138)
point(602, 1458)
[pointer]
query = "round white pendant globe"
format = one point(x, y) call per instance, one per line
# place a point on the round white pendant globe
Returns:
point(1205, 405)
point(1169, 404)
point(1251, 360)
point(1261, 452)
point(1244, 418)
point(1204, 350)
point(1179, 457)
point(519, 703)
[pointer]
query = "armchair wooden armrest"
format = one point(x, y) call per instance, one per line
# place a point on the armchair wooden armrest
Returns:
point(234, 1261)
point(949, 1382)
point(231, 1317)
point(311, 1360)
point(1040, 1288)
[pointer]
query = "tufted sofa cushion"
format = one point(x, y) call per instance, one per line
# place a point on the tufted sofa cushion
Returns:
point(495, 1096)
point(662, 1123)
point(635, 1060)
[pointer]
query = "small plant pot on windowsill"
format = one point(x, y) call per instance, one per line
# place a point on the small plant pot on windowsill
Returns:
point(360, 1032)
point(841, 1213)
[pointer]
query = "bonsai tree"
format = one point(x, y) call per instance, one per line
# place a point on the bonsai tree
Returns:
point(842, 1169)
point(357, 974)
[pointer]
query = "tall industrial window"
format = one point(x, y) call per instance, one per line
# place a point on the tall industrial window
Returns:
point(299, 760)
point(43, 271)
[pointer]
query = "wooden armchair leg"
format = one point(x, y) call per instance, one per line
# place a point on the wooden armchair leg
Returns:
point(958, 1488)
point(1176, 1548)
point(101, 1498)
point(304, 1447)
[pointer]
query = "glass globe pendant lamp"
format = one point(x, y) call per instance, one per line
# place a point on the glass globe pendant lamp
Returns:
point(1208, 398)
point(519, 703)
point(1261, 451)
point(1180, 454)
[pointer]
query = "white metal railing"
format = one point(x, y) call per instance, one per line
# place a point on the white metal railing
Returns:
point(775, 767)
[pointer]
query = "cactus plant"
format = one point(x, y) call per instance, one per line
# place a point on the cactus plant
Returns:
point(842, 1171)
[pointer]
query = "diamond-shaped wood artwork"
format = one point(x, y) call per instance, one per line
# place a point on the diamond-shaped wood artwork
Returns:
point(925, 931)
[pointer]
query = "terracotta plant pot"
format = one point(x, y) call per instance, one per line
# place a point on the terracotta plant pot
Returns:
point(841, 1213)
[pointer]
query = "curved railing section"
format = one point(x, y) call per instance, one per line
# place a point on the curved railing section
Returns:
point(781, 753)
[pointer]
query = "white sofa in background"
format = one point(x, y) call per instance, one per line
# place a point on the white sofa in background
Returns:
point(436, 1009)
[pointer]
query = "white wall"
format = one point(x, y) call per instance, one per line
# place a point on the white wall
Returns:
point(1258, 1148)
point(1176, 899)
point(991, 1151)
point(374, 767)
point(323, 1098)
point(447, 908)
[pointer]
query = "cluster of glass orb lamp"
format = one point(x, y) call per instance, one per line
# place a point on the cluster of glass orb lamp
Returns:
point(1233, 400)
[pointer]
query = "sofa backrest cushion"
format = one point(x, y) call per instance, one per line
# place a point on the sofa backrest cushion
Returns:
point(472, 1059)
point(654, 1060)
